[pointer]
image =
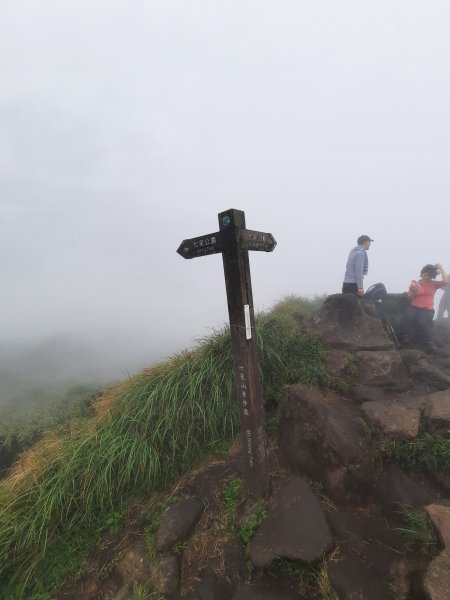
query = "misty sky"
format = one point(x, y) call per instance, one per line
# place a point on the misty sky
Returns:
point(126, 126)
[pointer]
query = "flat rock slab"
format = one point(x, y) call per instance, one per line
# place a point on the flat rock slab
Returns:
point(436, 582)
point(392, 417)
point(295, 527)
point(177, 523)
point(437, 414)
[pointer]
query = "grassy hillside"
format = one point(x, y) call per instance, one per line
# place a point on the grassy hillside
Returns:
point(144, 433)
point(21, 427)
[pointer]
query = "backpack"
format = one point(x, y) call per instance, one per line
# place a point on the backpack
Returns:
point(376, 293)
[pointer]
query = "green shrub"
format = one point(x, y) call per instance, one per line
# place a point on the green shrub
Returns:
point(423, 452)
point(255, 517)
point(417, 532)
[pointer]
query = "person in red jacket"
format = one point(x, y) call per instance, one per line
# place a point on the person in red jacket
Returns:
point(420, 313)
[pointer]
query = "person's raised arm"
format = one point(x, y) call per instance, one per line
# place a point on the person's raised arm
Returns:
point(444, 275)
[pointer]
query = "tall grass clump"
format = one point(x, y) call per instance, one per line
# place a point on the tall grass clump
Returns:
point(424, 452)
point(417, 532)
point(146, 431)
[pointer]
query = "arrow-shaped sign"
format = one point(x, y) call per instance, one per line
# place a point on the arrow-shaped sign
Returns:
point(257, 240)
point(213, 243)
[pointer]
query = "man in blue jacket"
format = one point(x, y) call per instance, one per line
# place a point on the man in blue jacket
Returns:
point(357, 267)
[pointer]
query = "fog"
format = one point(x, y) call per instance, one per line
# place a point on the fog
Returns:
point(126, 127)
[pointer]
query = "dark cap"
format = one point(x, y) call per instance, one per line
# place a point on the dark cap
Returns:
point(364, 238)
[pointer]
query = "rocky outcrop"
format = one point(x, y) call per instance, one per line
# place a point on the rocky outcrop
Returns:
point(295, 527)
point(344, 322)
point(334, 482)
point(392, 417)
point(437, 577)
point(421, 369)
point(321, 436)
point(437, 414)
point(381, 368)
point(394, 488)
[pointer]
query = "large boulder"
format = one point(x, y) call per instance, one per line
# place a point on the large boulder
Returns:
point(367, 558)
point(177, 523)
point(392, 417)
point(421, 368)
point(436, 582)
point(437, 577)
point(437, 414)
point(368, 393)
point(440, 517)
point(321, 436)
point(381, 368)
point(311, 421)
point(295, 527)
point(394, 487)
point(344, 322)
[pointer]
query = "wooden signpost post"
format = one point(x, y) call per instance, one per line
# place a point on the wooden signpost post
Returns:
point(234, 241)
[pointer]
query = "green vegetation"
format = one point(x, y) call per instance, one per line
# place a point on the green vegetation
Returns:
point(310, 578)
point(417, 532)
point(256, 514)
point(20, 431)
point(231, 497)
point(423, 452)
point(392, 593)
point(273, 424)
point(142, 593)
point(144, 433)
point(324, 585)
point(365, 428)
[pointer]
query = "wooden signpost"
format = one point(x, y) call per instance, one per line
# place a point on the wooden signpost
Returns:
point(234, 241)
